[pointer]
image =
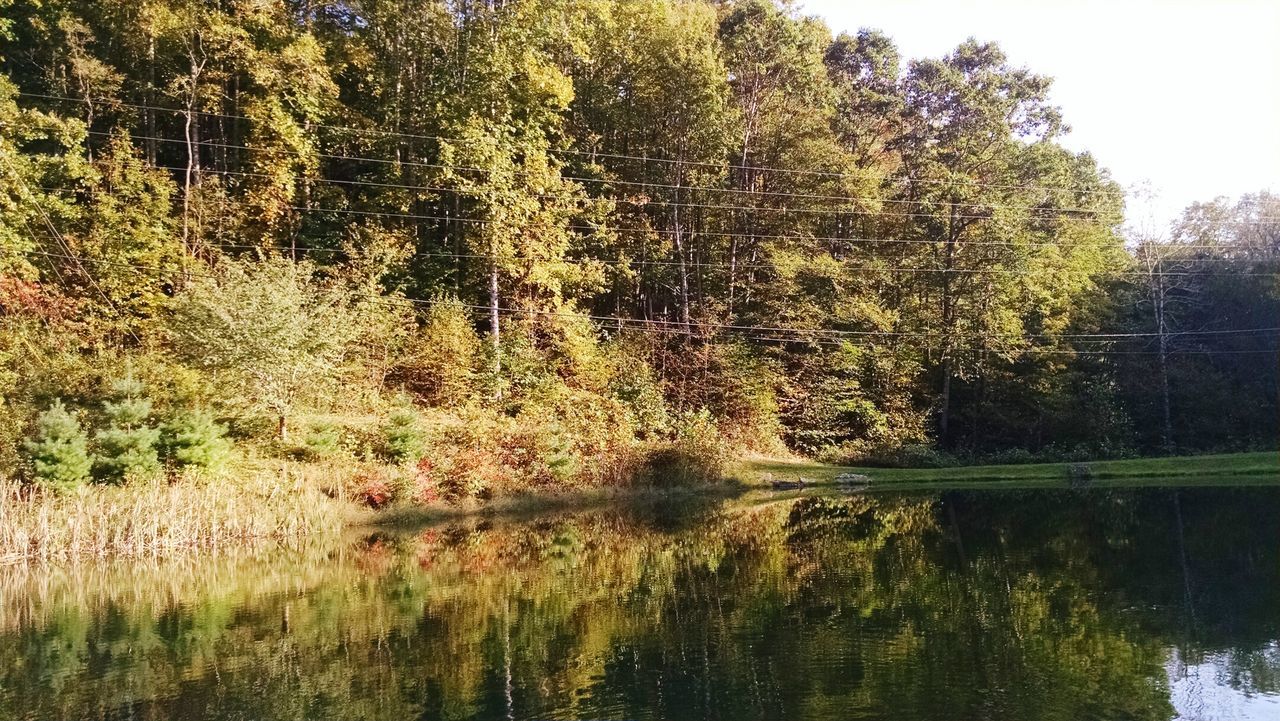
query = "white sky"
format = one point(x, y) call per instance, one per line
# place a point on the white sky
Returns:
point(1181, 94)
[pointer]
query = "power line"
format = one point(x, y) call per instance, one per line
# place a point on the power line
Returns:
point(576, 179)
point(824, 212)
point(602, 227)
point(758, 266)
point(595, 154)
point(794, 335)
point(62, 241)
point(644, 184)
point(853, 242)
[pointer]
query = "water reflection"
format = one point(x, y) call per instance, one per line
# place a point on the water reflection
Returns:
point(1148, 604)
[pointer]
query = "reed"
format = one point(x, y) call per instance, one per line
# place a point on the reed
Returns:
point(161, 518)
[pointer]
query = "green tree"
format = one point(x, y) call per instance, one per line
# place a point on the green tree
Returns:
point(994, 202)
point(651, 98)
point(274, 333)
point(194, 438)
point(443, 357)
point(126, 446)
point(59, 450)
point(402, 437)
point(506, 122)
point(865, 71)
point(126, 237)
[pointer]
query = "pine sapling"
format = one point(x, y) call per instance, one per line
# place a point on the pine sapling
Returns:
point(127, 446)
point(402, 437)
point(59, 451)
point(194, 438)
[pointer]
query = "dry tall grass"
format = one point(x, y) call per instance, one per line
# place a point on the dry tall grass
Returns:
point(157, 519)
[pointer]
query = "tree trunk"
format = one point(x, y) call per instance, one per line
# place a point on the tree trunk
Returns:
point(1159, 308)
point(150, 112)
point(1166, 429)
point(948, 329)
point(192, 134)
point(944, 412)
point(187, 182)
point(678, 234)
point(282, 428)
point(495, 327)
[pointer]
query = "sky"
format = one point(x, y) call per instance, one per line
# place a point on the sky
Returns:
point(1180, 98)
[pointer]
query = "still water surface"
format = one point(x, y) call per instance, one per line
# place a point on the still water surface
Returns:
point(1056, 605)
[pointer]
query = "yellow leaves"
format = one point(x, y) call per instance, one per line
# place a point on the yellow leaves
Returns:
point(549, 83)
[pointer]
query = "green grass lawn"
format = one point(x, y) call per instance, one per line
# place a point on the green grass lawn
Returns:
point(1250, 467)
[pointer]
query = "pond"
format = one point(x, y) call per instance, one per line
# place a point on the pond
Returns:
point(1156, 603)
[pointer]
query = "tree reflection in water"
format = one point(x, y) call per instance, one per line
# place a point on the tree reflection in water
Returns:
point(977, 605)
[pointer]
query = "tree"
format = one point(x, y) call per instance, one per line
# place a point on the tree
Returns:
point(651, 112)
point(127, 445)
point(991, 198)
point(443, 357)
point(865, 70)
point(1205, 376)
point(194, 438)
point(126, 239)
point(506, 121)
point(402, 437)
point(59, 450)
point(273, 332)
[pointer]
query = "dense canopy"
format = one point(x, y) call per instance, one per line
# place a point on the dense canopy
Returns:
point(575, 226)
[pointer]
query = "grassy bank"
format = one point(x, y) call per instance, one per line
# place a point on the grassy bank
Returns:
point(292, 501)
point(261, 499)
point(1182, 468)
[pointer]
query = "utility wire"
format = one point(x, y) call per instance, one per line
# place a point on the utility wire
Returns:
point(794, 335)
point(824, 212)
point(644, 184)
point(705, 206)
point(53, 230)
point(851, 242)
point(595, 154)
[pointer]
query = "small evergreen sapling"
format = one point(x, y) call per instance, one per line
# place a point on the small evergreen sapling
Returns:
point(59, 452)
point(127, 446)
point(194, 438)
point(402, 438)
point(323, 440)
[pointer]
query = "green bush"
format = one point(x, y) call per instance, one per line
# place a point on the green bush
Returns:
point(910, 455)
point(59, 451)
point(699, 453)
point(1010, 457)
point(634, 385)
point(440, 365)
point(127, 446)
point(402, 437)
point(323, 440)
point(194, 438)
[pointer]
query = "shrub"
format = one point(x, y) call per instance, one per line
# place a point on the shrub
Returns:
point(1011, 457)
point(274, 332)
point(442, 358)
point(127, 446)
point(402, 438)
point(194, 438)
point(323, 440)
point(911, 455)
point(699, 453)
point(635, 386)
point(373, 489)
point(59, 452)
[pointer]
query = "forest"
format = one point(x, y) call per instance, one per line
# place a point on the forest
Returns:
point(458, 250)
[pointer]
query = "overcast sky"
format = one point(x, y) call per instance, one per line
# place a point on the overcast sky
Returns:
point(1183, 94)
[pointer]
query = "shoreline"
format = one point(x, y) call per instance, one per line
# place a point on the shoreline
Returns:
point(164, 520)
